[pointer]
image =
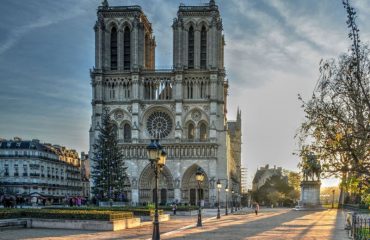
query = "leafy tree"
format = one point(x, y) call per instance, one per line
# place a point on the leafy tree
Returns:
point(278, 184)
point(337, 125)
point(109, 170)
point(275, 197)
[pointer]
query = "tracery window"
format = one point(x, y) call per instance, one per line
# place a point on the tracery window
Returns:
point(127, 49)
point(203, 48)
point(113, 49)
point(127, 132)
point(191, 131)
point(203, 132)
point(159, 124)
point(115, 130)
point(191, 48)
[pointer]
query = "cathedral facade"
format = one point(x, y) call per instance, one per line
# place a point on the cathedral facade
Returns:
point(184, 107)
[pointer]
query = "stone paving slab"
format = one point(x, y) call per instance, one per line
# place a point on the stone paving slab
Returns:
point(269, 224)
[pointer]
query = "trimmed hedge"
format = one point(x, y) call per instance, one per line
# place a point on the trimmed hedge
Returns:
point(135, 211)
point(65, 214)
point(179, 208)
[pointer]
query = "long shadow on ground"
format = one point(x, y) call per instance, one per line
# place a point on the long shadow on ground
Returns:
point(248, 229)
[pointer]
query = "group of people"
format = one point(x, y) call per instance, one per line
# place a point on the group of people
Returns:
point(76, 201)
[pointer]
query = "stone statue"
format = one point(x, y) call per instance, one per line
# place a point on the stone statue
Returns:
point(310, 167)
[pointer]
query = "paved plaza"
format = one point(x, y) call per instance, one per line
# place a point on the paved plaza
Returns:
point(269, 224)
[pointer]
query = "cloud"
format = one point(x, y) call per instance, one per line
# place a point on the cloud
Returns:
point(45, 20)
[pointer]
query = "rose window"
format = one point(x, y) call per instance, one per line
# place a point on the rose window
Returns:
point(159, 124)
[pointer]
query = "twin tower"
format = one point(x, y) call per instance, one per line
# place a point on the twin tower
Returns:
point(129, 44)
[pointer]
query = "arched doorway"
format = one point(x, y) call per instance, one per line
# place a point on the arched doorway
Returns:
point(189, 187)
point(147, 185)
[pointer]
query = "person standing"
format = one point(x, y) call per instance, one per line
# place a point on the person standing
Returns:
point(257, 208)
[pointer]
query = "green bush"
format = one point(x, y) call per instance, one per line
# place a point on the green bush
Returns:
point(65, 214)
point(137, 211)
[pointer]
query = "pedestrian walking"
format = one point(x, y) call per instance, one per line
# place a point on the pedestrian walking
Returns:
point(174, 208)
point(256, 208)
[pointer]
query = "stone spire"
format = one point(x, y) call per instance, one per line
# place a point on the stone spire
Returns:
point(239, 118)
point(105, 3)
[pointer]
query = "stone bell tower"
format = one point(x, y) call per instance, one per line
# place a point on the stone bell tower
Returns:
point(198, 41)
point(123, 39)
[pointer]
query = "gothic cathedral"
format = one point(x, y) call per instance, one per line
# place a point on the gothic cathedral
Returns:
point(185, 107)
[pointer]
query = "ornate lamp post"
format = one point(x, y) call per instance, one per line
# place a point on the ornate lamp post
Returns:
point(157, 157)
point(218, 198)
point(232, 200)
point(227, 193)
point(199, 176)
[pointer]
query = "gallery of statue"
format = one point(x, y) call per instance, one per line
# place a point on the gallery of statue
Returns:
point(184, 107)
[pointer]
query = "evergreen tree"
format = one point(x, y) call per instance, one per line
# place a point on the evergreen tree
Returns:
point(109, 172)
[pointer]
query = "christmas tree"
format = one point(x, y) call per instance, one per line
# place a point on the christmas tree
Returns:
point(109, 172)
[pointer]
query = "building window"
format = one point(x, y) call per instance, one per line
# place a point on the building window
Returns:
point(191, 131)
point(203, 132)
point(6, 170)
point(16, 170)
point(48, 171)
point(113, 49)
point(115, 130)
point(42, 171)
point(203, 48)
point(25, 170)
point(127, 49)
point(191, 48)
point(127, 132)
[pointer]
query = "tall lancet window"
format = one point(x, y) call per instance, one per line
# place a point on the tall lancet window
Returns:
point(191, 48)
point(203, 48)
point(113, 49)
point(127, 49)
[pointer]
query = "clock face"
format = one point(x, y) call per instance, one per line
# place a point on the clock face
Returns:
point(159, 124)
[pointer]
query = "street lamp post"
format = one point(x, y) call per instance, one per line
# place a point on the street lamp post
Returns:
point(218, 198)
point(157, 157)
point(199, 176)
point(227, 193)
point(332, 202)
point(232, 200)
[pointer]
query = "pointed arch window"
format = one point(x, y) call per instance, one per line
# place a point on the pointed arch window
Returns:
point(115, 130)
point(127, 49)
point(191, 131)
point(191, 48)
point(203, 132)
point(113, 49)
point(127, 132)
point(203, 48)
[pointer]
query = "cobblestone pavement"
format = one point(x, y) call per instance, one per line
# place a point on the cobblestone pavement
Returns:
point(269, 224)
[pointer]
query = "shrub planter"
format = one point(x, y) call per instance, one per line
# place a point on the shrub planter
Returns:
point(114, 225)
point(161, 218)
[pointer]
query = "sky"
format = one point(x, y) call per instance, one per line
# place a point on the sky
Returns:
point(272, 54)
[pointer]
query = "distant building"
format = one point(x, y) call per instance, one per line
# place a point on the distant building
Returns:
point(263, 174)
point(35, 171)
point(85, 175)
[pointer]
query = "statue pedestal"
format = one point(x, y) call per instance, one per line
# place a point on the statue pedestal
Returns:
point(310, 196)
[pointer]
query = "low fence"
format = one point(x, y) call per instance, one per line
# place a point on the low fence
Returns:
point(358, 226)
